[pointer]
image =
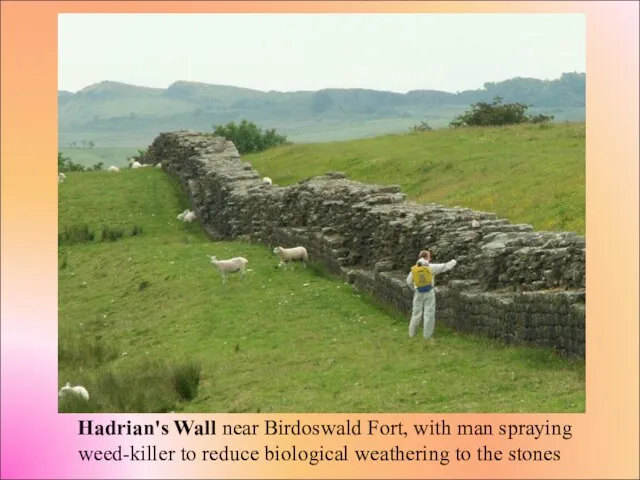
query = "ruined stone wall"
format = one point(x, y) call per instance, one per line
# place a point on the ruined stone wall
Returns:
point(511, 282)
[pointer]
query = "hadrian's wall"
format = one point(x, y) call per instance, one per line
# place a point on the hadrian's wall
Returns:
point(511, 282)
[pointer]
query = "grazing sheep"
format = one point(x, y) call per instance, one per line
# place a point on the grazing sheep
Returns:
point(189, 217)
point(267, 180)
point(61, 177)
point(235, 264)
point(113, 168)
point(158, 165)
point(134, 163)
point(78, 390)
point(181, 216)
point(291, 255)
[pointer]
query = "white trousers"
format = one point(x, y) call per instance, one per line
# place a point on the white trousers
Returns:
point(424, 311)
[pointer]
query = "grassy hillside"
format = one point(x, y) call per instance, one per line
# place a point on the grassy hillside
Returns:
point(144, 320)
point(528, 174)
point(113, 114)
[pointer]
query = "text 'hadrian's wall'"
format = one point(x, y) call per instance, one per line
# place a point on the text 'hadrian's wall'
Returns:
point(511, 283)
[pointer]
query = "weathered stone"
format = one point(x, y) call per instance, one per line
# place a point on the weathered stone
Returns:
point(384, 266)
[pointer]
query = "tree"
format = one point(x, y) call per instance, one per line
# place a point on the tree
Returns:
point(497, 113)
point(248, 137)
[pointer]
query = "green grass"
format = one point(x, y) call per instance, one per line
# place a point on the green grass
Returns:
point(528, 174)
point(146, 325)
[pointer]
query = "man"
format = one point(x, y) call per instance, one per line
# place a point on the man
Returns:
point(420, 279)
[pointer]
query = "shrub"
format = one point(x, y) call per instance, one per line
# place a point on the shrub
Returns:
point(248, 137)
point(423, 126)
point(496, 114)
point(141, 155)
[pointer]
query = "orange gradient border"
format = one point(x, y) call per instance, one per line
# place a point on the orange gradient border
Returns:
point(39, 443)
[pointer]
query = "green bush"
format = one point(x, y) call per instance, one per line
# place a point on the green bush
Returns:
point(423, 126)
point(497, 114)
point(248, 137)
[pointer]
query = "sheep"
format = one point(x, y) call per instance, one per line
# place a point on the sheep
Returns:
point(113, 168)
point(189, 217)
point(158, 165)
point(181, 216)
point(78, 390)
point(133, 163)
point(61, 177)
point(292, 254)
point(267, 180)
point(235, 264)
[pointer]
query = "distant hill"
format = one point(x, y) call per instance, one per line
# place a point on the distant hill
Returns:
point(112, 114)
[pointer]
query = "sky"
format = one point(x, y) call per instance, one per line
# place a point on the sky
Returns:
point(289, 52)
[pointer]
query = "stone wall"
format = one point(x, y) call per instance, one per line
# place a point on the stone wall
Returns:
point(511, 282)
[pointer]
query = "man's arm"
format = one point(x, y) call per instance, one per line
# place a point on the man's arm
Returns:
point(437, 268)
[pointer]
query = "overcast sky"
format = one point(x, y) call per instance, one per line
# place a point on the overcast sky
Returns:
point(288, 52)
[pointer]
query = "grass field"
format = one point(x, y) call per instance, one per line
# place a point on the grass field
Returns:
point(528, 174)
point(146, 325)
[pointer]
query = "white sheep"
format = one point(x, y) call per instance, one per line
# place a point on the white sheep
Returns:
point(189, 217)
point(158, 165)
point(291, 255)
point(181, 216)
point(61, 177)
point(113, 168)
point(133, 163)
point(235, 264)
point(78, 390)
point(267, 180)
